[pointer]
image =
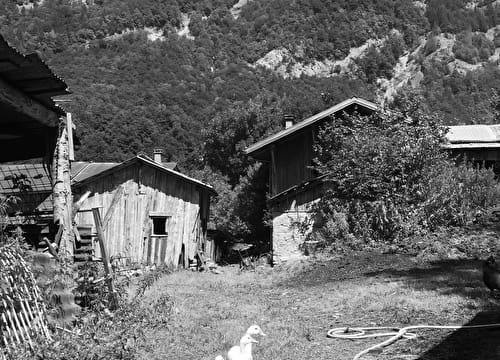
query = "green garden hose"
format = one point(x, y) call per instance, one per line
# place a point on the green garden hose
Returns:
point(394, 333)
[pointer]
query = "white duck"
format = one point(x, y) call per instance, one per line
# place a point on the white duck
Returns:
point(244, 351)
point(255, 330)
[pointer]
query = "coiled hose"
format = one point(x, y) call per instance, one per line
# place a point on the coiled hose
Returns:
point(394, 333)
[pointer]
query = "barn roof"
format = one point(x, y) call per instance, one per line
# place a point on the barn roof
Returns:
point(38, 176)
point(29, 117)
point(31, 75)
point(164, 167)
point(81, 172)
point(257, 149)
point(473, 136)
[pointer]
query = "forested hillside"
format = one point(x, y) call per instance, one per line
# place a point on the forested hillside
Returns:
point(203, 81)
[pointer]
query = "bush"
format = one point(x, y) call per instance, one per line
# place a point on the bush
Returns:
point(388, 179)
point(457, 195)
point(105, 335)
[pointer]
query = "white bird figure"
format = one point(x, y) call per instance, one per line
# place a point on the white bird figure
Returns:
point(255, 330)
point(236, 353)
point(244, 351)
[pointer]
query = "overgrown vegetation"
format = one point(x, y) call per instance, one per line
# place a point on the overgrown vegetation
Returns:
point(95, 332)
point(388, 180)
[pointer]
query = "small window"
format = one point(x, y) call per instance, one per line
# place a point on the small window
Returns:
point(159, 225)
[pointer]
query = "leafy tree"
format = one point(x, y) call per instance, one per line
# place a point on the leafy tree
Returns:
point(375, 168)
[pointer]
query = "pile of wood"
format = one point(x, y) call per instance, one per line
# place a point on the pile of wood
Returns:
point(22, 311)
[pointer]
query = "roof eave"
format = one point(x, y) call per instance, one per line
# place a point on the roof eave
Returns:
point(142, 159)
point(254, 149)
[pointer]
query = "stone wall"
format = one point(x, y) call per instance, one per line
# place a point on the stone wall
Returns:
point(288, 235)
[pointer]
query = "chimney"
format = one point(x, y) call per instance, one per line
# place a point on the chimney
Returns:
point(157, 155)
point(288, 119)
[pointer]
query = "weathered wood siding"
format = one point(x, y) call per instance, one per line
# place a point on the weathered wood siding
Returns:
point(148, 191)
point(292, 161)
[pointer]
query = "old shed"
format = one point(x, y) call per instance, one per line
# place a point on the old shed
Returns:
point(151, 213)
point(32, 126)
point(293, 185)
point(479, 144)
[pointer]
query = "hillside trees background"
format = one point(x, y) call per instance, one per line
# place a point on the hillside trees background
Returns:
point(200, 99)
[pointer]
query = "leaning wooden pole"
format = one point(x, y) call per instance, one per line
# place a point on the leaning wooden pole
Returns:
point(105, 258)
point(62, 197)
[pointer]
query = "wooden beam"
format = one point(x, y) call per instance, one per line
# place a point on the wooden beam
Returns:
point(69, 126)
point(105, 258)
point(274, 171)
point(26, 105)
point(78, 204)
point(116, 198)
point(61, 193)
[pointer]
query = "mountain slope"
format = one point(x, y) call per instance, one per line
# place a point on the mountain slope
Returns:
point(151, 73)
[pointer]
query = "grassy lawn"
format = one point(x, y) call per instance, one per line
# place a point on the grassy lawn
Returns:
point(297, 304)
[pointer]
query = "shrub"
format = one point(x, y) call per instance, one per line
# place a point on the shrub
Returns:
point(105, 335)
point(387, 179)
point(457, 195)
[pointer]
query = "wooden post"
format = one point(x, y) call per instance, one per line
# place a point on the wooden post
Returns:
point(62, 198)
point(104, 254)
point(69, 127)
point(274, 171)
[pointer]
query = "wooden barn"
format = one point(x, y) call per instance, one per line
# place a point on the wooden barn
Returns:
point(33, 126)
point(151, 214)
point(479, 144)
point(293, 186)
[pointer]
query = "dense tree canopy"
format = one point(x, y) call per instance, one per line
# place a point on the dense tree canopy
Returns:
point(138, 84)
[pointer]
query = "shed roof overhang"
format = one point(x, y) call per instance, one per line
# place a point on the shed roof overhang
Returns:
point(261, 149)
point(29, 117)
point(147, 161)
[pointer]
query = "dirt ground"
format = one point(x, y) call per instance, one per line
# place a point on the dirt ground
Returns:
point(296, 304)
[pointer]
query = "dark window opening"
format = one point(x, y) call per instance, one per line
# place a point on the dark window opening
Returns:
point(159, 225)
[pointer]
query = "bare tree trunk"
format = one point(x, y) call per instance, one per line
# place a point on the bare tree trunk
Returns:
point(62, 197)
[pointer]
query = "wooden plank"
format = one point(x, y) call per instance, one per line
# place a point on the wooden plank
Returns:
point(274, 172)
point(116, 198)
point(52, 251)
point(157, 250)
point(26, 105)
point(69, 126)
point(163, 250)
point(59, 235)
point(76, 233)
point(105, 258)
point(61, 193)
point(78, 204)
point(149, 239)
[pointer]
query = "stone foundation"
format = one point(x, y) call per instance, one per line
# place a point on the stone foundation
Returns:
point(287, 237)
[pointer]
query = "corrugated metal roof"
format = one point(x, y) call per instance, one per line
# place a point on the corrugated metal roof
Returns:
point(472, 146)
point(36, 176)
point(39, 179)
point(81, 170)
point(31, 75)
point(473, 134)
point(309, 121)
